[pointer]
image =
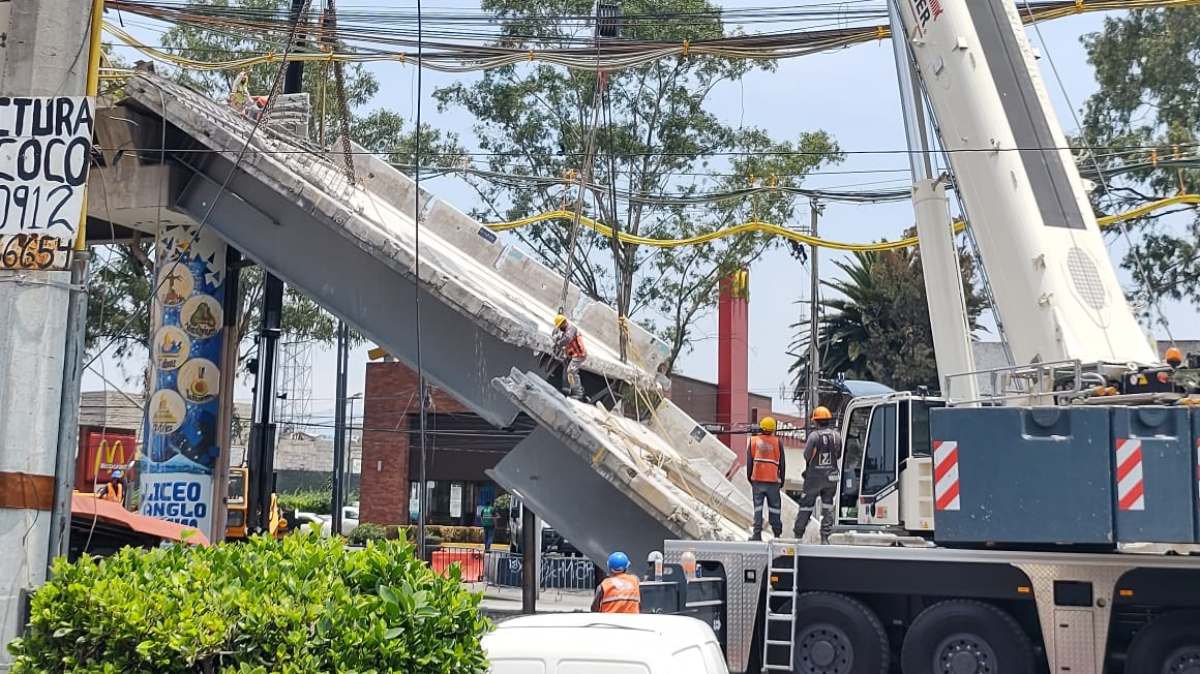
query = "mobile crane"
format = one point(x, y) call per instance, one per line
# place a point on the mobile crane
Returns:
point(1021, 503)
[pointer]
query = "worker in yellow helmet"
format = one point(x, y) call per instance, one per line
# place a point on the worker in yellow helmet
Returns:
point(569, 350)
point(765, 469)
point(822, 455)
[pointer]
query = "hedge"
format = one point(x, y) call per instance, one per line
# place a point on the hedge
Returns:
point(369, 531)
point(303, 604)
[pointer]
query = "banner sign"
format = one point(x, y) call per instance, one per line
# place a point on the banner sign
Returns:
point(104, 453)
point(45, 152)
point(180, 446)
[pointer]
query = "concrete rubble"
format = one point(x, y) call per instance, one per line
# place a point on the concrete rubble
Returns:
point(352, 247)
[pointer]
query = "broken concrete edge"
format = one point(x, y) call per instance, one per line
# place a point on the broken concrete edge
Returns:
point(328, 201)
point(693, 440)
point(651, 486)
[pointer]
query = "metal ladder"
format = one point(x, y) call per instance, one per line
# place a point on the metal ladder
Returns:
point(775, 649)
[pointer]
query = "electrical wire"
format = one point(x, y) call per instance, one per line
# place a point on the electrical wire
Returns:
point(497, 51)
point(756, 226)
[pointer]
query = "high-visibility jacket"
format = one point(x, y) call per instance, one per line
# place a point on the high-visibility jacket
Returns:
point(620, 593)
point(114, 492)
point(570, 342)
point(766, 457)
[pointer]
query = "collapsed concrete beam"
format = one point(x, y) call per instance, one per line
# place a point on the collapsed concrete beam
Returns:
point(352, 248)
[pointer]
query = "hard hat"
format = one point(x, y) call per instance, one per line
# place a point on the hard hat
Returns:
point(767, 424)
point(821, 413)
point(618, 561)
point(1174, 356)
point(117, 474)
point(559, 319)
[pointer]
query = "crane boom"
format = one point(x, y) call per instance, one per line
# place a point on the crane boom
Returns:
point(1055, 288)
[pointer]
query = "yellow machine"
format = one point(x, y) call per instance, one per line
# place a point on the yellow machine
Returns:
point(237, 504)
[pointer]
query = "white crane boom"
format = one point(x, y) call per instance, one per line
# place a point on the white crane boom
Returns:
point(1055, 288)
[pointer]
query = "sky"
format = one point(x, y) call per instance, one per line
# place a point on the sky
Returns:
point(850, 93)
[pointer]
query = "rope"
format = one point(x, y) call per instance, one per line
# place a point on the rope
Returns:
point(756, 226)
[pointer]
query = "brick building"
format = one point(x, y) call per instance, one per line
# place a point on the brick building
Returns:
point(461, 446)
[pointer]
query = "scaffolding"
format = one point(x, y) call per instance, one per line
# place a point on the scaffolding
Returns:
point(293, 398)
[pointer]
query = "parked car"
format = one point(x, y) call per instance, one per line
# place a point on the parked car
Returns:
point(582, 643)
point(300, 519)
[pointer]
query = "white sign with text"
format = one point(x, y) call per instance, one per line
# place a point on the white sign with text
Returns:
point(45, 152)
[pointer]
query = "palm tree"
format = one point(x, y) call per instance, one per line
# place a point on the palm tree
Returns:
point(876, 326)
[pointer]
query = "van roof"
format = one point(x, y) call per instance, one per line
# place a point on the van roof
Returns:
point(642, 637)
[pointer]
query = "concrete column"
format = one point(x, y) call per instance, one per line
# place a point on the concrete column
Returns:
point(733, 336)
point(44, 53)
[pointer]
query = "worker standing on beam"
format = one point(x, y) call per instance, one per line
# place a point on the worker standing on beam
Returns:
point(822, 455)
point(620, 592)
point(569, 350)
point(765, 468)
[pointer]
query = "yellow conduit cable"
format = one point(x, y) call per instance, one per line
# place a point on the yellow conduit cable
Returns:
point(776, 230)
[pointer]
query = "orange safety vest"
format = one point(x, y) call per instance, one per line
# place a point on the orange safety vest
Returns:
point(765, 453)
point(115, 493)
point(620, 594)
point(574, 348)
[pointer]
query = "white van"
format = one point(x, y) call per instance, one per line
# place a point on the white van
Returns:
point(604, 643)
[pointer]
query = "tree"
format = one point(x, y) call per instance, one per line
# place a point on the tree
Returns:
point(655, 137)
point(123, 273)
point(1148, 67)
point(877, 328)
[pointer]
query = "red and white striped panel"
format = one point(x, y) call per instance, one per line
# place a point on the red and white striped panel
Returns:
point(945, 475)
point(1131, 490)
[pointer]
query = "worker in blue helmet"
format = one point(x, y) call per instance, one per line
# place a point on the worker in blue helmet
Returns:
point(620, 592)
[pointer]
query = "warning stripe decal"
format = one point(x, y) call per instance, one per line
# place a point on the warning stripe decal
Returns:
point(1131, 489)
point(945, 475)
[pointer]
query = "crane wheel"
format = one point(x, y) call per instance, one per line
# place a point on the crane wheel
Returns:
point(1169, 644)
point(837, 634)
point(961, 636)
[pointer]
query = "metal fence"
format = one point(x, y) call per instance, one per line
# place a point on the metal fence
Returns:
point(504, 569)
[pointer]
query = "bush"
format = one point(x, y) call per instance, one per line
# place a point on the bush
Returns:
point(369, 531)
point(307, 500)
point(302, 604)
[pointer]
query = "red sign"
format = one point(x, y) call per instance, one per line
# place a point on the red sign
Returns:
point(103, 453)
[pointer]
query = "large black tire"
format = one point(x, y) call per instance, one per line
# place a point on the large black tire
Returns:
point(961, 636)
point(1170, 644)
point(836, 634)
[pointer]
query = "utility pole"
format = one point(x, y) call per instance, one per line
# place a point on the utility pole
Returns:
point(48, 50)
point(814, 306)
point(262, 440)
point(339, 426)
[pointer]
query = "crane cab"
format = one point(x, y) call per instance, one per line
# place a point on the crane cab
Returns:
point(887, 467)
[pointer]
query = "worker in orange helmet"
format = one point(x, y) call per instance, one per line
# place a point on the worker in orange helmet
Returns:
point(765, 468)
point(620, 592)
point(569, 350)
point(1174, 357)
point(822, 456)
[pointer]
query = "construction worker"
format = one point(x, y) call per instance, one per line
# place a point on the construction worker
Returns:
point(114, 490)
point(620, 592)
point(487, 520)
point(822, 455)
point(765, 466)
point(568, 348)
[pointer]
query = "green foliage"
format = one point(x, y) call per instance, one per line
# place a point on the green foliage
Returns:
point(308, 500)
point(368, 531)
point(877, 326)
point(299, 605)
point(122, 274)
point(1147, 64)
point(655, 136)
